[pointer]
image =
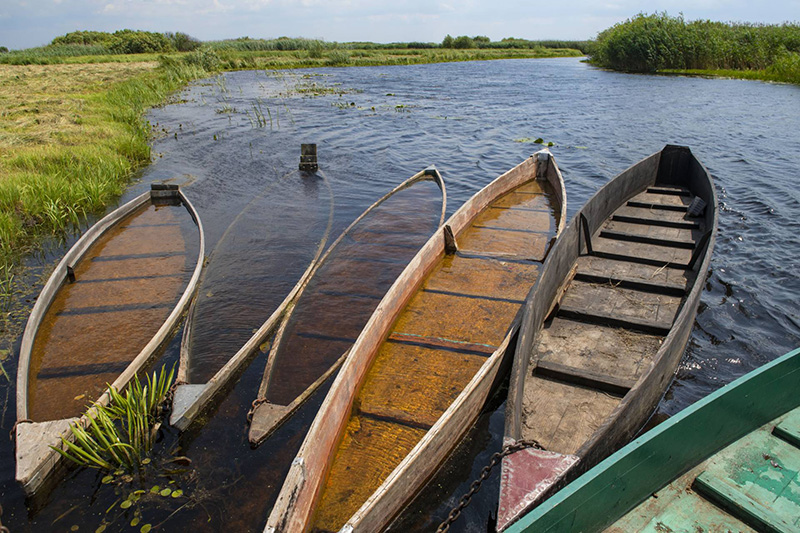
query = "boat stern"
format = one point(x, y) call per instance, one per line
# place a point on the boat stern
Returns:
point(528, 475)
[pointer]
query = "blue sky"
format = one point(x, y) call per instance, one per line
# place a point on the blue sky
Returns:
point(26, 23)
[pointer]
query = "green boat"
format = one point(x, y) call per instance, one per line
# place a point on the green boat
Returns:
point(730, 462)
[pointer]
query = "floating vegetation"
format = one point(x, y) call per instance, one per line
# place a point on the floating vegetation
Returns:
point(344, 105)
point(120, 434)
point(537, 140)
point(226, 108)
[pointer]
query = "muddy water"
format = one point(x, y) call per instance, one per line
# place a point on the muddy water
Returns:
point(474, 120)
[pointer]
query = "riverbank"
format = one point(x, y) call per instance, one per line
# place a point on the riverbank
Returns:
point(72, 131)
point(659, 43)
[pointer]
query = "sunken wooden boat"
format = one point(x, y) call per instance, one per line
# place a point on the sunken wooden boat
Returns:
point(111, 303)
point(240, 305)
point(422, 368)
point(606, 324)
point(727, 463)
point(341, 294)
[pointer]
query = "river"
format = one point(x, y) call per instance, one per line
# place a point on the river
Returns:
point(229, 137)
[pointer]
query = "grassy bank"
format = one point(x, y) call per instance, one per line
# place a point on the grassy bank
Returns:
point(71, 129)
point(660, 43)
point(70, 136)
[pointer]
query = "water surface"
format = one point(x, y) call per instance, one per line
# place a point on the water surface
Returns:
point(232, 136)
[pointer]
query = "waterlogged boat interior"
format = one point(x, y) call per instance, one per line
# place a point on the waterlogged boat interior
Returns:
point(749, 486)
point(124, 289)
point(458, 318)
point(252, 268)
point(341, 296)
point(613, 316)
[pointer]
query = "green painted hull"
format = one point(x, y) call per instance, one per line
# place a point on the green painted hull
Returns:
point(749, 429)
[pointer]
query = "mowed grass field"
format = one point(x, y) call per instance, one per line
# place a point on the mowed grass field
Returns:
point(72, 131)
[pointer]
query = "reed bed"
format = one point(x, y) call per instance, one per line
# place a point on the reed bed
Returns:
point(661, 43)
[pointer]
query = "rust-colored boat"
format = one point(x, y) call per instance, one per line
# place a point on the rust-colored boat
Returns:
point(341, 293)
point(424, 364)
point(606, 324)
point(112, 302)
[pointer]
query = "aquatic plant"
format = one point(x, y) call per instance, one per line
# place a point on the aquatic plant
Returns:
point(121, 433)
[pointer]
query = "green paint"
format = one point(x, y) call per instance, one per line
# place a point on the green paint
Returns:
point(618, 484)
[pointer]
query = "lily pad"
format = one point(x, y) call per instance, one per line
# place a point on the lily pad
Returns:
point(126, 504)
point(166, 492)
point(135, 521)
point(106, 480)
point(154, 489)
point(177, 493)
point(146, 528)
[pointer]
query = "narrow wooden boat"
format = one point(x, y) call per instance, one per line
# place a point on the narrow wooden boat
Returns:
point(714, 466)
point(111, 303)
point(607, 324)
point(343, 290)
point(421, 369)
point(238, 307)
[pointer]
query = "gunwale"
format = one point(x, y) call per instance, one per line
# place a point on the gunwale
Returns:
point(631, 475)
point(191, 399)
point(256, 437)
point(33, 472)
point(303, 485)
point(636, 405)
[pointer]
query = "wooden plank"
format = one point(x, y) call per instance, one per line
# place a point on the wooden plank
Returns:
point(669, 218)
point(658, 206)
point(631, 219)
point(642, 253)
point(789, 429)
point(628, 477)
point(633, 275)
point(562, 416)
point(585, 378)
point(648, 197)
point(601, 350)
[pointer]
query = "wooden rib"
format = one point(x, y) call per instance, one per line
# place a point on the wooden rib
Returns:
point(446, 344)
point(662, 207)
point(631, 237)
point(656, 222)
point(613, 384)
point(604, 319)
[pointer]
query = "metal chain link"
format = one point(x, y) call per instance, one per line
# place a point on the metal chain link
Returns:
point(508, 449)
point(253, 407)
point(3, 529)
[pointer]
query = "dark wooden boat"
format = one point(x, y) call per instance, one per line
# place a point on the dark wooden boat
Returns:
point(423, 366)
point(229, 320)
point(606, 324)
point(714, 466)
point(111, 303)
point(343, 290)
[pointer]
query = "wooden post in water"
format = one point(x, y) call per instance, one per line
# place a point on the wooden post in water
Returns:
point(308, 157)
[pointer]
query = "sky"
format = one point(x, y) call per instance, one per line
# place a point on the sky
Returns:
point(28, 23)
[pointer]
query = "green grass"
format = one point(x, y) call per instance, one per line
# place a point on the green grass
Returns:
point(661, 43)
point(70, 137)
point(72, 132)
point(120, 434)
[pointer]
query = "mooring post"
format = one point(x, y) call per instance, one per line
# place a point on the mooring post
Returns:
point(308, 157)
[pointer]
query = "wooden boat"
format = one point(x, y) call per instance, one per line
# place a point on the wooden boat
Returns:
point(111, 303)
point(343, 290)
point(227, 316)
point(607, 324)
point(715, 466)
point(421, 369)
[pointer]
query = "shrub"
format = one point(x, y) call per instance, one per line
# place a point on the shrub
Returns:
point(183, 42)
point(139, 42)
point(3, 50)
point(447, 42)
point(337, 58)
point(463, 41)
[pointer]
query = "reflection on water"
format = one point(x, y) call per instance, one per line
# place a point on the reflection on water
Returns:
point(464, 117)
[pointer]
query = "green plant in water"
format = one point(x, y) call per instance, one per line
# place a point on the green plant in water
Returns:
point(120, 434)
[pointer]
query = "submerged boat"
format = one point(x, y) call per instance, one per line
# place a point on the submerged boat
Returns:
point(727, 463)
point(256, 270)
point(110, 304)
point(606, 324)
point(423, 366)
point(341, 293)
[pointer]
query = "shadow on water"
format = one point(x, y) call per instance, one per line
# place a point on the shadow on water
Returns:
point(465, 117)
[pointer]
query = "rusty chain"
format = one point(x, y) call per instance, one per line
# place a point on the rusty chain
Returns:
point(254, 406)
point(508, 449)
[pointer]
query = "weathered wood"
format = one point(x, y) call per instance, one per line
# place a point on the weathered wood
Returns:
point(628, 301)
point(618, 490)
point(306, 481)
point(38, 463)
point(288, 349)
point(183, 415)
